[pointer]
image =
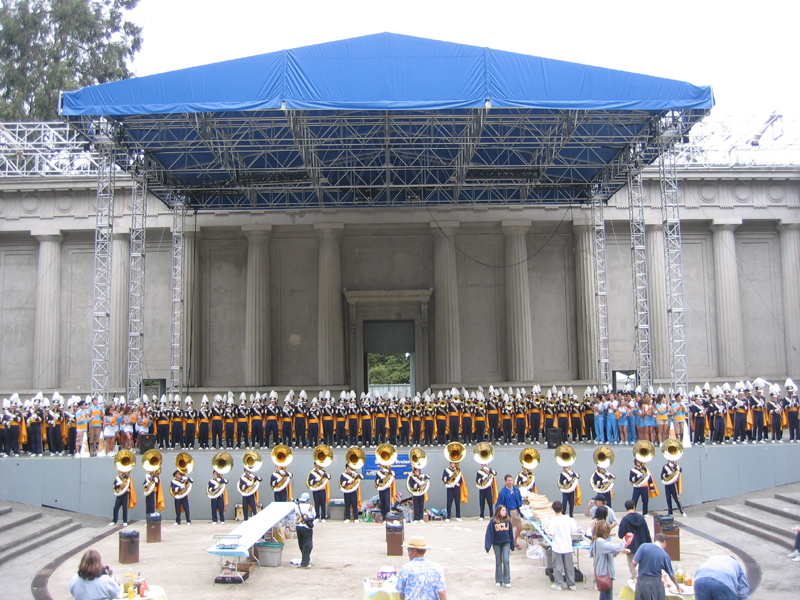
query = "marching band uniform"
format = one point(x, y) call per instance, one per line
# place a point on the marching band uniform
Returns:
point(380, 421)
point(418, 482)
point(248, 486)
point(405, 423)
point(487, 488)
point(493, 413)
point(521, 419)
point(328, 414)
point(124, 499)
point(281, 484)
point(315, 479)
point(242, 423)
point(229, 420)
point(384, 483)
point(217, 492)
point(568, 484)
point(177, 424)
point(217, 416)
point(576, 419)
point(775, 413)
point(671, 478)
point(416, 422)
point(180, 486)
point(480, 418)
point(453, 478)
point(352, 423)
point(350, 483)
point(740, 419)
point(507, 415)
point(526, 480)
point(600, 479)
point(791, 407)
point(162, 424)
point(257, 423)
point(341, 413)
point(55, 439)
point(314, 415)
point(366, 423)
point(441, 415)
point(287, 418)
point(393, 416)
point(698, 412)
point(640, 479)
point(300, 421)
point(549, 408)
point(430, 418)
point(588, 419)
point(204, 423)
point(34, 421)
point(153, 498)
point(757, 405)
point(272, 414)
point(190, 424)
point(454, 417)
point(467, 421)
point(563, 418)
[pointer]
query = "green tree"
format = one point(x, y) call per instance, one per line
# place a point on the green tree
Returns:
point(388, 369)
point(48, 46)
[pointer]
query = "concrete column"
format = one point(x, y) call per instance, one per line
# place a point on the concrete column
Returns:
point(330, 322)
point(47, 327)
point(790, 276)
point(257, 350)
point(445, 301)
point(191, 310)
point(730, 338)
point(657, 298)
point(519, 322)
point(118, 323)
point(584, 303)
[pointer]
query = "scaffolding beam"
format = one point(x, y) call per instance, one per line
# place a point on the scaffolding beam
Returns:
point(178, 263)
point(136, 283)
point(641, 305)
point(671, 132)
point(104, 223)
point(601, 289)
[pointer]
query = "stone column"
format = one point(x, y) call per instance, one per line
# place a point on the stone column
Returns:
point(584, 303)
point(191, 310)
point(330, 326)
point(730, 338)
point(519, 322)
point(257, 354)
point(790, 276)
point(445, 301)
point(118, 323)
point(47, 327)
point(657, 298)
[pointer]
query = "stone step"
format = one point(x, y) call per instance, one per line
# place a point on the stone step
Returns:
point(28, 544)
point(776, 524)
point(754, 530)
point(32, 529)
point(11, 520)
point(5, 510)
point(776, 507)
point(792, 497)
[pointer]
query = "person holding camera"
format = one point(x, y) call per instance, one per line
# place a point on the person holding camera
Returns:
point(93, 581)
point(305, 528)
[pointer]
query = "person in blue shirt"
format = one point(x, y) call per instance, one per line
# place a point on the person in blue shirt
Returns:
point(720, 578)
point(420, 578)
point(652, 559)
point(510, 497)
point(499, 537)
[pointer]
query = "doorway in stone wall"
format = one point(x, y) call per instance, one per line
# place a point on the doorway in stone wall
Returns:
point(389, 357)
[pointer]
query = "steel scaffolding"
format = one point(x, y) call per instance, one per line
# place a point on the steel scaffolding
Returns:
point(178, 262)
point(641, 306)
point(136, 283)
point(671, 131)
point(104, 223)
point(601, 289)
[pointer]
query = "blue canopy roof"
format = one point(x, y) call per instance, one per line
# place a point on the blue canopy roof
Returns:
point(386, 120)
point(386, 72)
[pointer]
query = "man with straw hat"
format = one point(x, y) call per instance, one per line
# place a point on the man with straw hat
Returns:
point(420, 578)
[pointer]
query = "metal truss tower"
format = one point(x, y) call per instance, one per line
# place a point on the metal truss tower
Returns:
point(601, 289)
point(136, 288)
point(101, 307)
point(668, 176)
point(178, 262)
point(641, 306)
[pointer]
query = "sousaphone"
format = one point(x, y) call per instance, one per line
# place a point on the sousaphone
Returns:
point(644, 451)
point(124, 461)
point(566, 455)
point(483, 453)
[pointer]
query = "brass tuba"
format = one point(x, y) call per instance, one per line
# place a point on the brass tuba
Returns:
point(483, 453)
point(222, 463)
point(644, 451)
point(566, 455)
point(672, 449)
point(124, 461)
point(455, 452)
point(385, 455)
point(529, 458)
point(184, 463)
point(152, 460)
point(323, 455)
point(355, 457)
point(417, 458)
point(252, 460)
point(603, 457)
point(281, 455)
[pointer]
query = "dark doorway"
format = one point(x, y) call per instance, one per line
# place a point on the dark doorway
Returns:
point(389, 350)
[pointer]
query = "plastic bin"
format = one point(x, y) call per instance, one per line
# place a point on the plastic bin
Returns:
point(153, 528)
point(336, 512)
point(269, 554)
point(128, 547)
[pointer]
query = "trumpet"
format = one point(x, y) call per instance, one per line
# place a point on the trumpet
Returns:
point(529, 458)
point(151, 461)
point(603, 457)
point(385, 455)
point(644, 451)
point(566, 455)
point(672, 450)
point(483, 453)
point(455, 452)
point(323, 455)
point(222, 463)
point(252, 460)
point(124, 461)
point(281, 455)
point(355, 457)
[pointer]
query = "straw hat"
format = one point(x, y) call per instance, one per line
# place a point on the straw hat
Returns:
point(417, 542)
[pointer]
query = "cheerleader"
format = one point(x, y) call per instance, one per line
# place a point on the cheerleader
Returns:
point(109, 430)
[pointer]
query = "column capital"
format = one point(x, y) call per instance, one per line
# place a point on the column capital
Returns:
point(329, 229)
point(257, 230)
point(790, 224)
point(437, 225)
point(725, 224)
point(193, 233)
point(50, 238)
point(516, 226)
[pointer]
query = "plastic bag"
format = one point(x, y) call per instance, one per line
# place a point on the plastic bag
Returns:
point(535, 552)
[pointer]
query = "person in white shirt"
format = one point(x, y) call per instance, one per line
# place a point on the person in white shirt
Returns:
point(305, 528)
point(560, 528)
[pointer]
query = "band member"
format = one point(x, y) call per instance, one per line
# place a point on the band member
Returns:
point(204, 423)
point(35, 421)
point(405, 423)
point(281, 484)
point(487, 488)
point(385, 484)
point(568, 483)
point(758, 406)
point(603, 480)
point(521, 418)
point(153, 496)
point(365, 415)
point(393, 419)
point(453, 480)
point(271, 417)
point(257, 423)
point(242, 423)
point(301, 420)
point(698, 412)
point(467, 418)
point(418, 483)
point(125, 497)
point(350, 484)
point(56, 428)
point(217, 418)
point(248, 486)
point(640, 479)
point(562, 413)
point(507, 417)
point(218, 493)
point(791, 407)
point(176, 421)
point(380, 420)
point(229, 416)
point(162, 423)
point(576, 418)
point(314, 419)
point(671, 478)
point(180, 486)
point(775, 413)
point(534, 415)
point(480, 417)
point(189, 424)
point(318, 482)
point(353, 420)
point(429, 421)
point(493, 415)
point(417, 415)
point(526, 480)
point(340, 418)
point(454, 416)
point(440, 415)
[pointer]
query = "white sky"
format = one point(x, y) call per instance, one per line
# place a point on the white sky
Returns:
point(746, 51)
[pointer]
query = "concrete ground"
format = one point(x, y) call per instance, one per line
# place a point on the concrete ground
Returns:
point(344, 555)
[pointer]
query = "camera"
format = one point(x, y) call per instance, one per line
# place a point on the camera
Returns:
point(107, 570)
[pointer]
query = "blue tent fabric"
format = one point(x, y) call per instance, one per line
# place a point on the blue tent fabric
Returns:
point(386, 72)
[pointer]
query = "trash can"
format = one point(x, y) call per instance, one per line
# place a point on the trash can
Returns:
point(153, 528)
point(128, 547)
point(666, 524)
point(336, 512)
point(269, 554)
point(394, 538)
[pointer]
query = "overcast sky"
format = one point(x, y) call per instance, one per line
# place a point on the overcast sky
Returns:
point(746, 51)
